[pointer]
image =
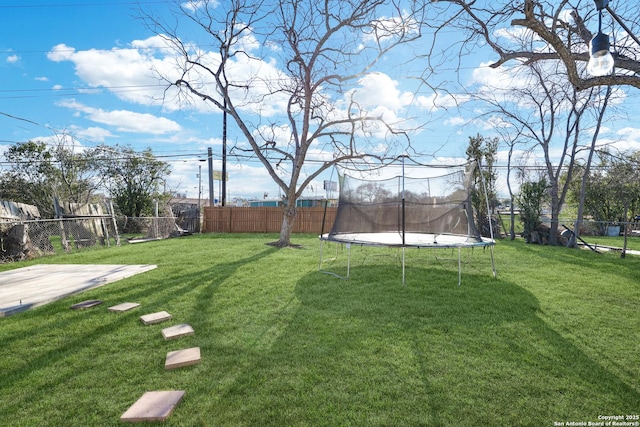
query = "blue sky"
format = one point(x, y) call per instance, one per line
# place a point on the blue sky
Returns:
point(82, 68)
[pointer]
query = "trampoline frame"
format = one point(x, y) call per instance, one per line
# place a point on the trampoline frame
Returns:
point(402, 239)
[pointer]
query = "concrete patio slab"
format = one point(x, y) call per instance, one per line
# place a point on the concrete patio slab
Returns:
point(28, 287)
point(153, 406)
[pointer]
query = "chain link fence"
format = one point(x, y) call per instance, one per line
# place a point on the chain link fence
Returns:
point(33, 238)
point(150, 227)
point(588, 227)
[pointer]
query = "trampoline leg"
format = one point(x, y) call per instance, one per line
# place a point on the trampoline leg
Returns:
point(493, 263)
point(348, 259)
point(403, 266)
point(459, 268)
point(320, 261)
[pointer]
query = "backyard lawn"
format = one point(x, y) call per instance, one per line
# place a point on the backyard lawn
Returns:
point(555, 338)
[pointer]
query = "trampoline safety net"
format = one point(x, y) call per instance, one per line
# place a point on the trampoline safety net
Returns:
point(429, 207)
point(439, 204)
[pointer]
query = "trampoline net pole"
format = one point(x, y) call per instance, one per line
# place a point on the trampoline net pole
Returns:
point(403, 220)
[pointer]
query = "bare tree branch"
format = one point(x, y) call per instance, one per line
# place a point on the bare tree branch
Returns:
point(564, 29)
point(287, 73)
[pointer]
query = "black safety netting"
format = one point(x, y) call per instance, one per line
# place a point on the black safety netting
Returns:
point(439, 204)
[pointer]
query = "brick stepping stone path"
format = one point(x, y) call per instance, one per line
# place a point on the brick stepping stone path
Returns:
point(125, 306)
point(150, 319)
point(153, 406)
point(156, 406)
point(177, 331)
point(86, 304)
point(180, 358)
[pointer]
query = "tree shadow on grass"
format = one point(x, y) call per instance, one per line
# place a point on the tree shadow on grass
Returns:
point(370, 352)
point(76, 331)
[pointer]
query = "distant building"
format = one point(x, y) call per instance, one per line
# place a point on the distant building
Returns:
point(182, 203)
point(303, 202)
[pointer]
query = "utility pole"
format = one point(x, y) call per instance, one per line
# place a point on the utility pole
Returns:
point(199, 185)
point(223, 194)
point(210, 163)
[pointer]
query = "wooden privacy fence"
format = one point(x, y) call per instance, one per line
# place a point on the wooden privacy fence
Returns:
point(264, 220)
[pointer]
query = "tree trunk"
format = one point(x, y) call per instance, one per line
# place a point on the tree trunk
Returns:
point(288, 220)
point(512, 221)
point(625, 226)
point(555, 214)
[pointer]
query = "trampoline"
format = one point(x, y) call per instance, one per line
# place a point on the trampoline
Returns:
point(428, 208)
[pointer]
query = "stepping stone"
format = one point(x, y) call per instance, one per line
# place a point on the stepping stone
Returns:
point(180, 358)
point(150, 319)
point(124, 306)
point(86, 304)
point(153, 406)
point(177, 331)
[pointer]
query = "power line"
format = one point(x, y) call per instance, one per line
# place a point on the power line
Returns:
point(92, 4)
point(19, 118)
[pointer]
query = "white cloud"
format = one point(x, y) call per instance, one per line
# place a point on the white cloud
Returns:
point(42, 79)
point(127, 73)
point(93, 133)
point(60, 52)
point(629, 133)
point(512, 34)
point(387, 29)
point(13, 59)
point(455, 121)
point(628, 140)
point(378, 89)
point(124, 120)
point(195, 5)
point(142, 75)
point(440, 101)
point(68, 139)
point(245, 181)
point(489, 79)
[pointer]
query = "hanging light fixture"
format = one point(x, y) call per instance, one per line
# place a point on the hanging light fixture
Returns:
point(601, 62)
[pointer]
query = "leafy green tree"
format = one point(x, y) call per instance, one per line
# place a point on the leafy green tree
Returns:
point(38, 172)
point(531, 201)
point(613, 190)
point(484, 151)
point(132, 178)
point(29, 176)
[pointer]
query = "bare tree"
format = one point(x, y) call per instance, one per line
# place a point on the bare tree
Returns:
point(548, 117)
point(600, 115)
point(562, 30)
point(287, 73)
point(511, 136)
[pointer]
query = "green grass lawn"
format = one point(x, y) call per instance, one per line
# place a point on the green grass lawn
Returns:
point(555, 338)
point(633, 242)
